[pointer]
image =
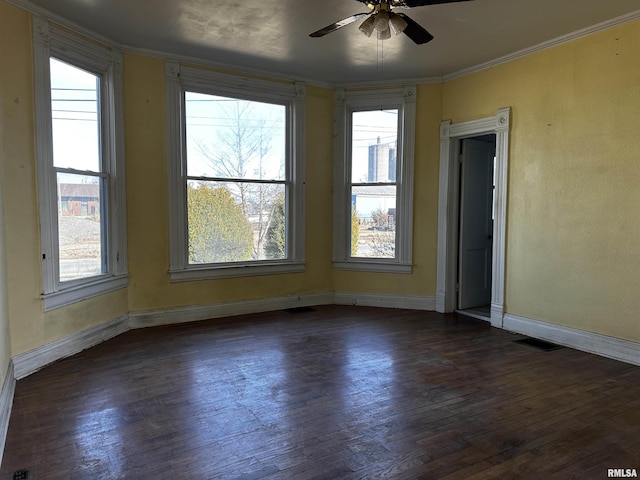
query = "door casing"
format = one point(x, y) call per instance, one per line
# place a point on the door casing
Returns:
point(448, 209)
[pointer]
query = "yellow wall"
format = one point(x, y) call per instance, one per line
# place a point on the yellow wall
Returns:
point(5, 127)
point(573, 220)
point(573, 240)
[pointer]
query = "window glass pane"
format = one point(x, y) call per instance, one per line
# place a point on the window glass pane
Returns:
point(374, 139)
point(236, 221)
point(75, 117)
point(81, 236)
point(232, 138)
point(373, 221)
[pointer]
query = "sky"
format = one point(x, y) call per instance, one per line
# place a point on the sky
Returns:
point(216, 123)
point(367, 127)
point(74, 105)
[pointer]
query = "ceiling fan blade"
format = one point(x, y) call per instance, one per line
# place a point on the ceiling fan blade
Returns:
point(339, 24)
point(415, 31)
point(424, 3)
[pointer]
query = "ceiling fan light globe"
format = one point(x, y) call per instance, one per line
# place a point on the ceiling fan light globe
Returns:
point(397, 23)
point(367, 26)
point(381, 22)
point(384, 34)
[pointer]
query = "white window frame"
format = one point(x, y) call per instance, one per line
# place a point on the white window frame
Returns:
point(345, 103)
point(106, 62)
point(180, 78)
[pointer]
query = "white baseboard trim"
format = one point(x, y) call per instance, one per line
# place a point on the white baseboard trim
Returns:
point(611, 347)
point(497, 315)
point(412, 302)
point(194, 313)
point(32, 361)
point(440, 303)
point(6, 402)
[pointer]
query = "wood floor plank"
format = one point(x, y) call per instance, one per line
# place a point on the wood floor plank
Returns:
point(333, 393)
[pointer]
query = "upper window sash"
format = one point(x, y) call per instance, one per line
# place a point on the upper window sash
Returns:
point(345, 103)
point(106, 63)
point(180, 79)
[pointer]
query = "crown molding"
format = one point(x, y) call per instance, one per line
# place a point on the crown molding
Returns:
point(554, 42)
point(224, 67)
point(63, 22)
point(401, 82)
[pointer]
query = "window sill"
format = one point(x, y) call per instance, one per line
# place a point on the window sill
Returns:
point(77, 293)
point(374, 266)
point(209, 272)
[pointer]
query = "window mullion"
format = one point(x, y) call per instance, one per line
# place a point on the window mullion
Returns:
point(235, 180)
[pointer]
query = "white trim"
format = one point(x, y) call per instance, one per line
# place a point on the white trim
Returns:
point(194, 313)
point(33, 360)
point(6, 403)
point(44, 152)
point(177, 187)
point(83, 291)
point(231, 271)
point(373, 265)
point(385, 300)
point(611, 347)
point(448, 211)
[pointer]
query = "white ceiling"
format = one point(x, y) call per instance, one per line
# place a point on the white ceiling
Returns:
point(272, 35)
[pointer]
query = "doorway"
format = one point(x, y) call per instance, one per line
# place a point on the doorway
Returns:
point(451, 137)
point(475, 228)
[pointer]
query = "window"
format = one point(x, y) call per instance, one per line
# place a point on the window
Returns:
point(80, 166)
point(235, 155)
point(374, 179)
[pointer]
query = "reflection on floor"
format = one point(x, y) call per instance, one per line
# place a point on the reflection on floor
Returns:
point(481, 313)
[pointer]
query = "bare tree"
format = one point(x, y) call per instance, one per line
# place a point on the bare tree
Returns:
point(239, 151)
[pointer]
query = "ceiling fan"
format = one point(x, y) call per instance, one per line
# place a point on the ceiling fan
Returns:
point(384, 21)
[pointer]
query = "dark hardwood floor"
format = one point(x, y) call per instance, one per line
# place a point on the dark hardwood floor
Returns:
point(334, 393)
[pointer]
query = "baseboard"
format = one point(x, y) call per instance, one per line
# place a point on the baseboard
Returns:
point(611, 347)
point(412, 302)
point(497, 315)
point(194, 313)
point(440, 303)
point(32, 361)
point(6, 402)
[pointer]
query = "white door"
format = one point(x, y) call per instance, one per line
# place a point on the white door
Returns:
point(476, 223)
